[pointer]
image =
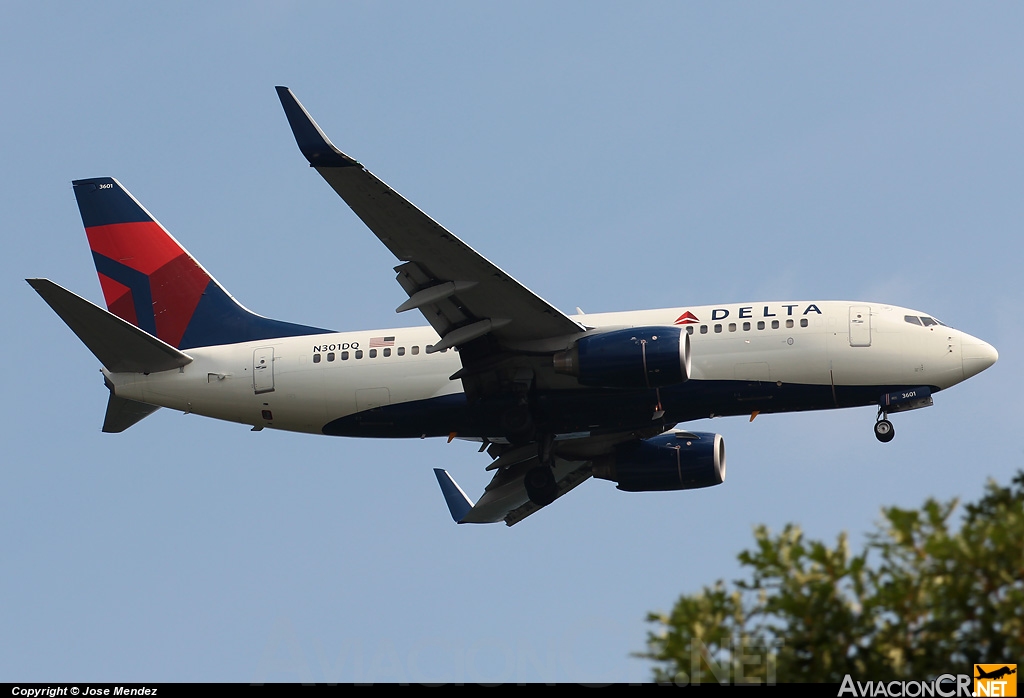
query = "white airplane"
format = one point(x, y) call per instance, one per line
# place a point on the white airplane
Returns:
point(552, 398)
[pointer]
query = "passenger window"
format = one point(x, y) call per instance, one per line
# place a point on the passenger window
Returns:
point(775, 324)
point(718, 329)
point(387, 352)
point(703, 329)
point(689, 329)
point(359, 353)
point(373, 353)
point(732, 326)
point(330, 356)
point(789, 323)
point(401, 351)
point(316, 358)
point(746, 326)
point(760, 324)
point(803, 322)
point(344, 356)
point(415, 351)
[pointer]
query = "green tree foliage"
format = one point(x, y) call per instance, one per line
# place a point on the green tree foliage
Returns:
point(923, 598)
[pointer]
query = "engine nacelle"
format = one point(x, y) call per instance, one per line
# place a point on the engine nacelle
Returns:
point(675, 460)
point(637, 357)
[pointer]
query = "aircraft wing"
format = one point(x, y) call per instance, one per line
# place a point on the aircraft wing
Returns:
point(462, 295)
point(504, 332)
point(504, 498)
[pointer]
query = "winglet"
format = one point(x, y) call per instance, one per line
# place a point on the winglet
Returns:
point(458, 503)
point(317, 148)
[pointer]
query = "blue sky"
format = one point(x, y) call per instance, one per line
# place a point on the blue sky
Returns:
point(664, 155)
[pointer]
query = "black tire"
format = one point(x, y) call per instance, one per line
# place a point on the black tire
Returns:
point(517, 424)
point(884, 431)
point(540, 485)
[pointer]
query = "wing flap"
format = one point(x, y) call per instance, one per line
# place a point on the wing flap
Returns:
point(568, 482)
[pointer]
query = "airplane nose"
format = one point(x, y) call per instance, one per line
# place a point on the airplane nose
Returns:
point(976, 355)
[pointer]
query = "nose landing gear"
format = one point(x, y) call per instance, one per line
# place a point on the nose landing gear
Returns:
point(899, 401)
point(884, 430)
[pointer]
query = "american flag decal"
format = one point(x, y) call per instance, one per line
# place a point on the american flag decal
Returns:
point(382, 342)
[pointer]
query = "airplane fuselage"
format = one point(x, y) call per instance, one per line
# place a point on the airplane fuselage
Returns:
point(759, 357)
point(555, 399)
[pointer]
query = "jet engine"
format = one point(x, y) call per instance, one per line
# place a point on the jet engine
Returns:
point(637, 357)
point(675, 460)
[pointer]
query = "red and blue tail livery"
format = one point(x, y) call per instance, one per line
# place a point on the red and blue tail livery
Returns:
point(151, 281)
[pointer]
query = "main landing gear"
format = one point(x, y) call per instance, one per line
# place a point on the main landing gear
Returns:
point(539, 481)
point(884, 430)
point(540, 485)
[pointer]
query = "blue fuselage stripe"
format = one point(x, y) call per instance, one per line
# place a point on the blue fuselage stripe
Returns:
point(615, 410)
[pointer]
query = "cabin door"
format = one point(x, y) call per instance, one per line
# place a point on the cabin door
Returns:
point(860, 326)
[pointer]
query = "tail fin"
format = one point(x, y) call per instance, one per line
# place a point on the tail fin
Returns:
point(151, 281)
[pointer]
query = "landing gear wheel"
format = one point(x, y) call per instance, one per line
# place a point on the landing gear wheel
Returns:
point(517, 424)
point(540, 485)
point(884, 431)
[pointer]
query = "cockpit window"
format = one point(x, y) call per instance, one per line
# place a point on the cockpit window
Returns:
point(923, 320)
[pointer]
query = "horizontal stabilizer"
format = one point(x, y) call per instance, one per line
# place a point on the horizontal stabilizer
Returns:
point(123, 413)
point(120, 346)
